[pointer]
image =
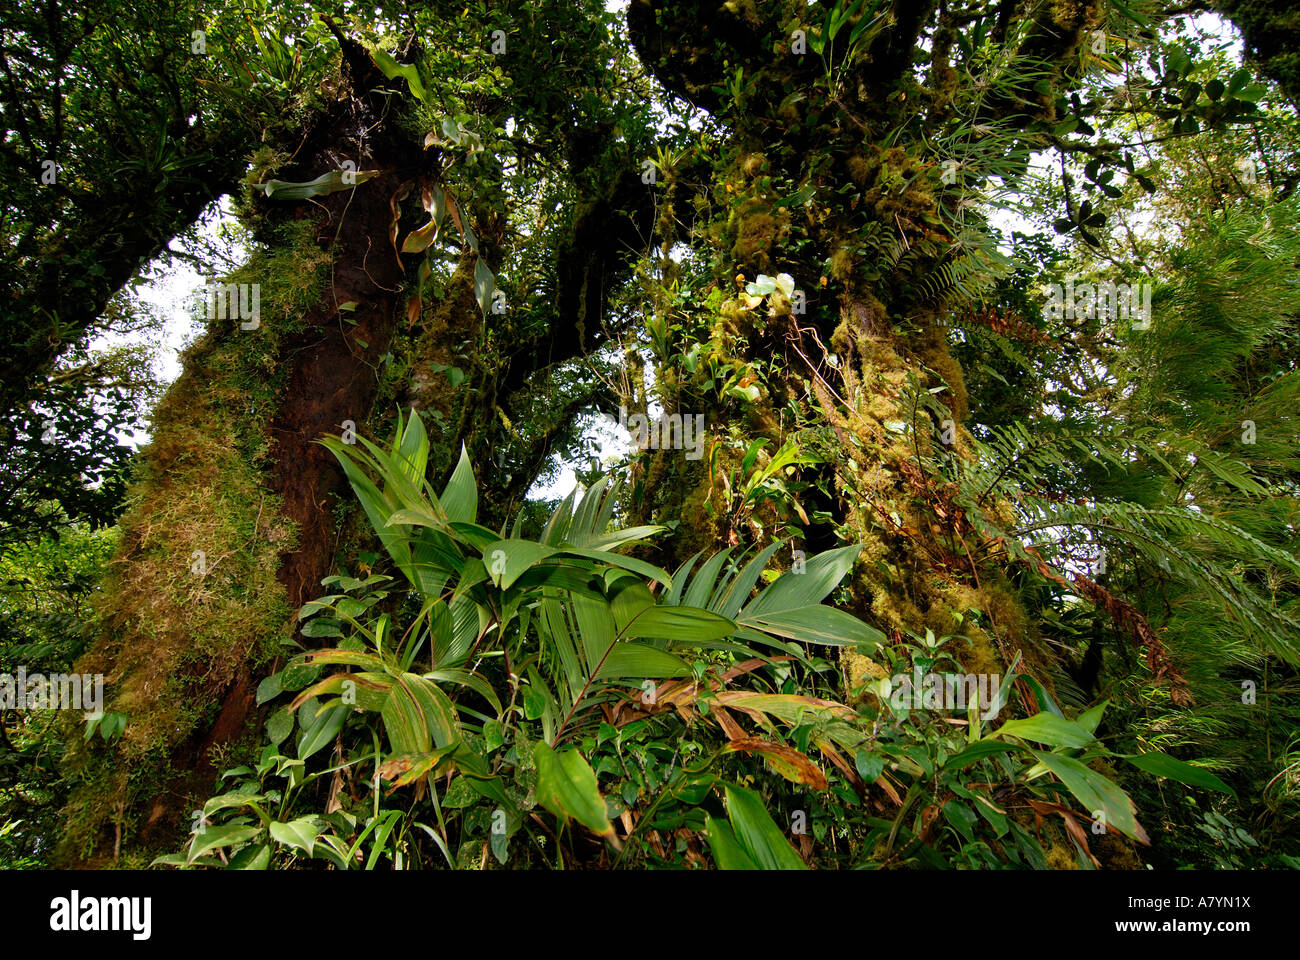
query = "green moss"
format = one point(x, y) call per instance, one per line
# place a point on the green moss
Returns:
point(757, 231)
point(1059, 857)
point(843, 264)
point(932, 350)
point(700, 526)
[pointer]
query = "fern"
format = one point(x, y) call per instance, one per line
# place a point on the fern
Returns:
point(1014, 455)
point(1154, 534)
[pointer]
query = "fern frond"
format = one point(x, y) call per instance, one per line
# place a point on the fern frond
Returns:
point(1153, 532)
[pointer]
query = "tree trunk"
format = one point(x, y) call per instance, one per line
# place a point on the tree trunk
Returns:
point(862, 347)
point(233, 483)
point(233, 526)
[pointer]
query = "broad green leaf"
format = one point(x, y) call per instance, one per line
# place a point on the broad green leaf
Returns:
point(649, 571)
point(411, 456)
point(270, 688)
point(962, 818)
point(1048, 728)
point(392, 70)
point(460, 498)
point(869, 764)
point(418, 716)
point(484, 285)
point(320, 731)
point(506, 560)
point(226, 800)
point(475, 682)
point(351, 658)
point(737, 592)
point(299, 834)
point(416, 517)
point(297, 676)
point(632, 599)
point(636, 660)
point(468, 622)
point(1044, 699)
point(704, 583)
point(821, 575)
point(758, 834)
point(252, 858)
point(325, 184)
point(979, 750)
point(553, 625)
point(1096, 793)
point(570, 577)
point(279, 726)
point(680, 576)
point(1089, 719)
point(617, 538)
point(322, 627)
point(377, 507)
point(566, 786)
point(534, 703)
point(1163, 765)
point(592, 515)
point(473, 534)
point(215, 838)
point(595, 632)
point(727, 851)
point(685, 626)
point(816, 623)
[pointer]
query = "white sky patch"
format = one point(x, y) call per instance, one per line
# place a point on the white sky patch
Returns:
point(172, 294)
point(613, 445)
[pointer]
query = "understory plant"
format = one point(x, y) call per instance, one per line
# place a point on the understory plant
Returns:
point(557, 701)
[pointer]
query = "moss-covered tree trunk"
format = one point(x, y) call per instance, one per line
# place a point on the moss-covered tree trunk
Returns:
point(828, 177)
point(234, 522)
point(236, 518)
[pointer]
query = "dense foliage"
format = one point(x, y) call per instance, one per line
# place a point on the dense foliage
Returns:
point(863, 255)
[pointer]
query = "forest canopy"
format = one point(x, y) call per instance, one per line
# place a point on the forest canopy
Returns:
point(650, 434)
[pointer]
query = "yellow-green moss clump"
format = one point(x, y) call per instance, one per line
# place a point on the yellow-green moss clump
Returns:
point(1059, 857)
point(755, 223)
point(893, 522)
